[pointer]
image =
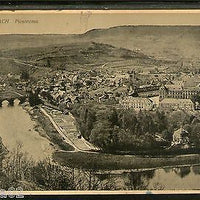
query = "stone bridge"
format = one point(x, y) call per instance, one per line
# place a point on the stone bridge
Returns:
point(10, 96)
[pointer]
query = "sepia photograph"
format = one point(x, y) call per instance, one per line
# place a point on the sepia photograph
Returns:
point(100, 101)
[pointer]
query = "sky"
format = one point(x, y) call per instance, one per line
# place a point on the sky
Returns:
point(76, 22)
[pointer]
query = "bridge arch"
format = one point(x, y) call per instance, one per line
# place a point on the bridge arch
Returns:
point(11, 101)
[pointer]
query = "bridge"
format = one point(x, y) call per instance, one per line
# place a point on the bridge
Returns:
point(10, 95)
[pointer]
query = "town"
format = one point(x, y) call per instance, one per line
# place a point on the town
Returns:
point(127, 89)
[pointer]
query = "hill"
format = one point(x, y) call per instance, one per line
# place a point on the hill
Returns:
point(166, 42)
point(171, 42)
point(115, 47)
point(83, 55)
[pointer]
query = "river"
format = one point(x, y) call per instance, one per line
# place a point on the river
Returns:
point(170, 178)
point(17, 127)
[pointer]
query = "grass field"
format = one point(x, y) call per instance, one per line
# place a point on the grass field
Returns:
point(117, 162)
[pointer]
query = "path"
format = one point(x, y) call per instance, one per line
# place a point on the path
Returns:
point(66, 127)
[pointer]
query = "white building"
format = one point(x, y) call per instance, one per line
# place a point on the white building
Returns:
point(137, 103)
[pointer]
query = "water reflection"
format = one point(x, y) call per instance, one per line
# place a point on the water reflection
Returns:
point(5, 104)
point(16, 102)
point(196, 169)
point(182, 171)
point(167, 170)
point(170, 178)
point(139, 180)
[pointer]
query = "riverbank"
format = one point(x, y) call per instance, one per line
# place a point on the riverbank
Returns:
point(34, 117)
point(120, 162)
point(46, 129)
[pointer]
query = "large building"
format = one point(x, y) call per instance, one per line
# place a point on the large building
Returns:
point(177, 104)
point(178, 92)
point(185, 89)
point(136, 103)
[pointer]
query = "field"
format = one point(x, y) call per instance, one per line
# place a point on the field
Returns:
point(119, 162)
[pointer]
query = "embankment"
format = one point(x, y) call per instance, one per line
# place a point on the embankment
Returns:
point(100, 161)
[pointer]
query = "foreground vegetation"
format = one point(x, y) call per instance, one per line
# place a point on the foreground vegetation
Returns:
point(20, 171)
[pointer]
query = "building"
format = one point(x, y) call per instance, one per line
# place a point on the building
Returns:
point(185, 89)
point(180, 137)
point(176, 104)
point(137, 103)
point(178, 92)
point(147, 88)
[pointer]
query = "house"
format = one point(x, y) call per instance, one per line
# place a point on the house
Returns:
point(180, 137)
point(146, 88)
point(176, 104)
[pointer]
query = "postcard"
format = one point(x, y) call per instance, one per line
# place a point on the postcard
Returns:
point(99, 101)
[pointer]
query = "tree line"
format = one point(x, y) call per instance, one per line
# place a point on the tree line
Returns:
point(115, 129)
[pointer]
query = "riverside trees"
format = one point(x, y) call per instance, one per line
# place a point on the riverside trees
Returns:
point(115, 129)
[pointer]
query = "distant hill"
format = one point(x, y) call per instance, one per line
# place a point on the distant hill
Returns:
point(115, 47)
point(82, 55)
point(171, 42)
point(168, 42)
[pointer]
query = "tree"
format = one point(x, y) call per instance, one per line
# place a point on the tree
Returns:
point(178, 118)
point(101, 134)
point(195, 135)
point(89, 180)
point(48, 63)
point(16, 166)
point(196, 98)
point(25, 75)
point(34, 99)
point(167, 135)
point(52, 176)
point(19, 168)
point(161, 121)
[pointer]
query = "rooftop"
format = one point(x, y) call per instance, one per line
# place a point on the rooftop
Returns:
point(174, 87)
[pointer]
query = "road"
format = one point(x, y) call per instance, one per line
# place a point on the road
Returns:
point(11, 93)
point(65, 126)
